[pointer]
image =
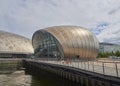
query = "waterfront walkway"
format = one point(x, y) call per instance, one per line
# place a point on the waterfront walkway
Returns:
point(106, 67)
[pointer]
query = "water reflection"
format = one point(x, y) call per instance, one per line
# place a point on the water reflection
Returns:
point(19, 78)
point(41, 81)
point(16, 78)
point(44, 79)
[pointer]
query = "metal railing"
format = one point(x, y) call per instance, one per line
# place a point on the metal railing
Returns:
point(105, 67)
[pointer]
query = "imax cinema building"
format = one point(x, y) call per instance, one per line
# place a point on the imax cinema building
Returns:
point(65, 42)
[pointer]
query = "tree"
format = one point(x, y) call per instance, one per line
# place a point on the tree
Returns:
point(117, 53)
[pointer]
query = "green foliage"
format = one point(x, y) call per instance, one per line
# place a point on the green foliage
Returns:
point(117, 53)
point(107, 54)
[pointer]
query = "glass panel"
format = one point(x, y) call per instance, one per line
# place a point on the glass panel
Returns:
point(48, 47)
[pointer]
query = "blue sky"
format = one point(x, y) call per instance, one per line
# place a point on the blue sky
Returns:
point(24, 17)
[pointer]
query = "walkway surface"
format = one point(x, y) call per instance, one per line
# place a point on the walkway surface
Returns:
point(103, 66)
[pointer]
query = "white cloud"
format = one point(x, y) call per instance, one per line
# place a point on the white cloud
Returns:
point(26, 16)
point(111, 34)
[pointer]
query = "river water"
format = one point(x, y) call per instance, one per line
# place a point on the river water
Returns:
point(21, 78)
point(11, 75)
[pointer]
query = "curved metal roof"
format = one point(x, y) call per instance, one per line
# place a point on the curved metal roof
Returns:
point(12, 43)
point(75, 41)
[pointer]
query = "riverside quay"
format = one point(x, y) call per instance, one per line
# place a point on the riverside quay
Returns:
point(65, 52)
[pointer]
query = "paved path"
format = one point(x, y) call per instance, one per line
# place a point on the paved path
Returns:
point(106, 67)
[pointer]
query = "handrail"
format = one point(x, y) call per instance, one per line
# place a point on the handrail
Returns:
point(112, 69)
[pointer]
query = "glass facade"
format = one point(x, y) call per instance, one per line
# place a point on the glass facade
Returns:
point(108, 47)
point(48, 46)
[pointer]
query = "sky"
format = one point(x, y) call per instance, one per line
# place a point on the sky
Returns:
point(24, 17)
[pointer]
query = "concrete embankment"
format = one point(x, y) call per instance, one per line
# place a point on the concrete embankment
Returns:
point(83, 77)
